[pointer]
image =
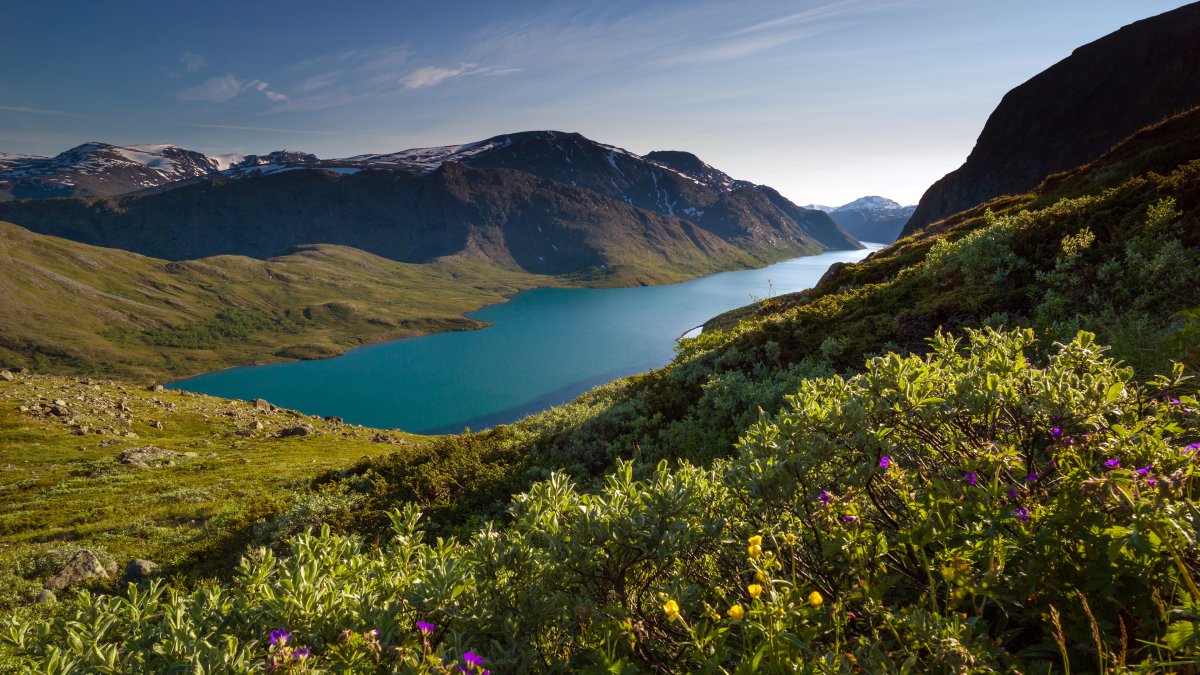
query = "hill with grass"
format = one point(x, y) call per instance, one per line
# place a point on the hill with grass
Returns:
point(1075, 111)
point(71, 307)
point(75, 308)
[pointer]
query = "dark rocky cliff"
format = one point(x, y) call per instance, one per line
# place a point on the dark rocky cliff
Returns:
point(1076, 110)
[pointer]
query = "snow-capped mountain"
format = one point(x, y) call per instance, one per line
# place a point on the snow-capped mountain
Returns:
point(100, 169)
point(871, 218)
point(9, 160)
point(535, 180)
point(871, 203)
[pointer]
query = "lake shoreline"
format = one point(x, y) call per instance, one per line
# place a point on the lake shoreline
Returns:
point(440, 382)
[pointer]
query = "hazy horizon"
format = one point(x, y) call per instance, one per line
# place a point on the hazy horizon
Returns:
point(825, 101)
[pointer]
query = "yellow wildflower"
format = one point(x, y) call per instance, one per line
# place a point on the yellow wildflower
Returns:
point(754, 550)
point(736, 612)
point(755, 590)
point(790, 538)
point(756, 540)
point(672, 610)
point(760, 575)
point(815, 599)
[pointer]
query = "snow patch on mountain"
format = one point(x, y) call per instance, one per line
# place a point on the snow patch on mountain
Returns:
point(428, 160)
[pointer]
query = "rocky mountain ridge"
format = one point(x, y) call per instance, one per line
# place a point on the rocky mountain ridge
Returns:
point(546, 202)
point(100, 169)
point(1074, 111)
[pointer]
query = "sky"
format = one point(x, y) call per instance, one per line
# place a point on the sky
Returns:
point(825, 100)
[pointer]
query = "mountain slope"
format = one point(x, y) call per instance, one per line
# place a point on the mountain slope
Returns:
point(510, 218)
point(669, 182)
point(1075, 110)
point(870, 218)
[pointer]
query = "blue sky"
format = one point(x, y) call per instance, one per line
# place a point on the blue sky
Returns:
point(824, 100)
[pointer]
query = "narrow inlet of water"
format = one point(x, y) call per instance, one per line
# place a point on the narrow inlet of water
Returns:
point(546, 346)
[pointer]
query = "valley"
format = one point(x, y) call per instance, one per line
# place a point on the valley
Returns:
point(538, 403)
point(541, 348)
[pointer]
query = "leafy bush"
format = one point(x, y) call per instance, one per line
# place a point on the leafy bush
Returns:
point(983, 255)
point(963, 511)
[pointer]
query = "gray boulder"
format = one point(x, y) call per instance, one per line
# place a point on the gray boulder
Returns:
point(298, 430)
point(147, 456)
point(82, 566)
point(138, 570)
point(45, 596)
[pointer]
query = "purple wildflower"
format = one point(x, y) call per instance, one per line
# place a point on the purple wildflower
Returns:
point(1056, 432)
point(426, 627)
point(1054, 417)
point(885, 461)
point(1113, 463)
point(473, 659)
point(1174, 401)
point(1021, 515)
point(825, 497)
point(280, 636)
point(848, 518)
point(1190, 448)
point(971, 477)
point(1054, 465)
point(301, 654)
point(1030, 477)
point(1012, 493)
point(1151, 482)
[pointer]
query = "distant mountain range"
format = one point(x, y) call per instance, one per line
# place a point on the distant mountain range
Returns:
point(873, 218)
point(1074, 111)
point(546, 202)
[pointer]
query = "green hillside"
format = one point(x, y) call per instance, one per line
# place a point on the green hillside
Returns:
point(74, 308)
point(929, 463)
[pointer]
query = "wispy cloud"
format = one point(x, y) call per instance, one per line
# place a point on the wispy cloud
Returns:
point(226, 87)
point(192, 62)
point(769, 32)
point(277, 130)
point(820, 13)
point(345, 77)
point(654, 38)
point(433, 75)
point(43, 111)
point(304, 132)
point(263, 87)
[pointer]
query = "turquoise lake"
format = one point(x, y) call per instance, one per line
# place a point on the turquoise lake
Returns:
point(546, 347)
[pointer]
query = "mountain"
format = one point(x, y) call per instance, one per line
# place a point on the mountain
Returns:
point(674, 183)
point(544, 202)
point(100, 169)
point(871, 218)
point(1074, 111)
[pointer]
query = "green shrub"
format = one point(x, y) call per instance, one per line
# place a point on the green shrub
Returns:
point(963, 511)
